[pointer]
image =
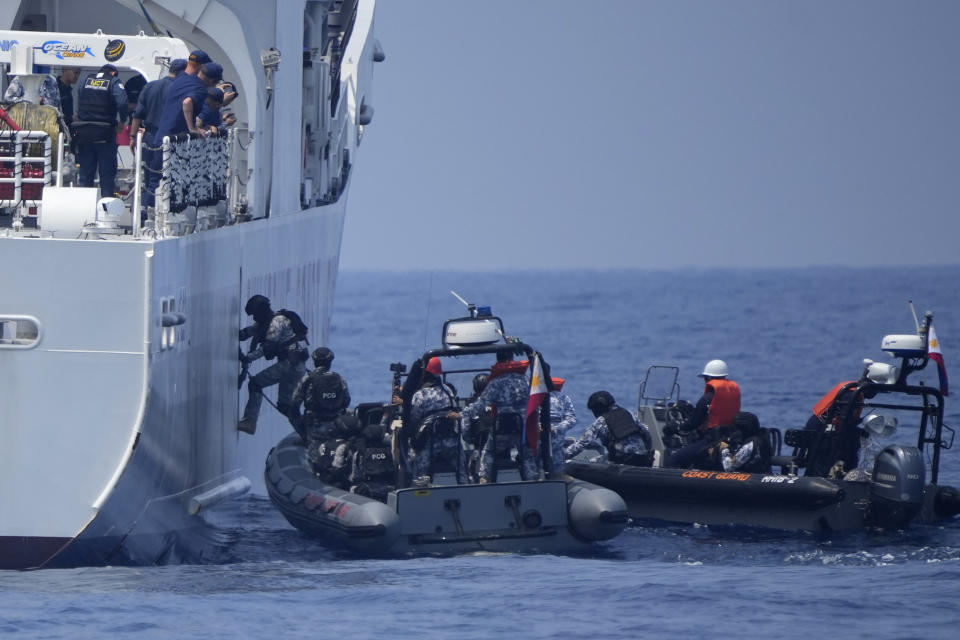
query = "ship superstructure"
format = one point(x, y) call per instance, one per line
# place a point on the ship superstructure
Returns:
point(118, 334)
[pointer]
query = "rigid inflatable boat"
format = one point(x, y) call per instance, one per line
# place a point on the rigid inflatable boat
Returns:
point(441, 515)
point(899, 489)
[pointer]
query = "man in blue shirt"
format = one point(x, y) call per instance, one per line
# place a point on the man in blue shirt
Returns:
point(147, 115)
point(196, 60)
point(209, 117)
point(185, 97)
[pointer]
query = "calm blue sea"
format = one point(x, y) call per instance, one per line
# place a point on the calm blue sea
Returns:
point(787, 335)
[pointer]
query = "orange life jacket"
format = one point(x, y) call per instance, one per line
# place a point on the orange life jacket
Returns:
point(823, 405)
point(725, 404)
point(511, 366)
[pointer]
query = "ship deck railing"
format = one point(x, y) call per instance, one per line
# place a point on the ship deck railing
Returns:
point(200, 186)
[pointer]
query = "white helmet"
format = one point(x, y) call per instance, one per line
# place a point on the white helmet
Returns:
point(715, 369)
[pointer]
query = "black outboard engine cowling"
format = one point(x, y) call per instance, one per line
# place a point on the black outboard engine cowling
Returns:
point(896, 491)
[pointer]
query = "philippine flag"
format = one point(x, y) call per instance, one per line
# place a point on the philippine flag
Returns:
point(538, 391)
point(933, 350)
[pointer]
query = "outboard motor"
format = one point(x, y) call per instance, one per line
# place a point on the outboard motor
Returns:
point(896, 491)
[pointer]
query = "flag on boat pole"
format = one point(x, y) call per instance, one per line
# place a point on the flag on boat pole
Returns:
point(933, 351)
point(538, 391)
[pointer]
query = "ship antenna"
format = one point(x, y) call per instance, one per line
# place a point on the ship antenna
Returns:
point(458, 297)
point(915, 320)
point(471, 308)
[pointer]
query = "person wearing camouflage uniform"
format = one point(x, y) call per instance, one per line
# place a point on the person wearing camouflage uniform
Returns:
point(332, 461)
point(324, 395)
point(562, 418)
point(49, 91)
point(626, 440)
point(372, 471)
point(508, 392)
point(435, 431)
point(274, 337)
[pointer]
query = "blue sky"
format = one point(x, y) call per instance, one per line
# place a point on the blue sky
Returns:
point(631, 133)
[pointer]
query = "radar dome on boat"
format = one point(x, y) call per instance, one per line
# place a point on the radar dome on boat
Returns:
point(472, 332)
point(904, 346)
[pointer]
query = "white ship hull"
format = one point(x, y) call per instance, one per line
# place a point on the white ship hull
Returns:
point(122, 427)
point(118, 419)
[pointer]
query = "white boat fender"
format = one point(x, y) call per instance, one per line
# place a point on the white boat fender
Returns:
point(232, 489)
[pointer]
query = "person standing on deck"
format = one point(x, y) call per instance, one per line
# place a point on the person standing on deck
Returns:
point(65, 81)
point(507, 393)
point(146, 117)
point(435, 426)
point(101, 105)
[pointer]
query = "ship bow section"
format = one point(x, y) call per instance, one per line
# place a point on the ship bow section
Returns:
point(73, 359)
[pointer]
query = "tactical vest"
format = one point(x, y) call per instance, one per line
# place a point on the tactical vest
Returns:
point(377, 464)
point(96, 102)
point(620, 423)
point(726, 402)
point(325, 394)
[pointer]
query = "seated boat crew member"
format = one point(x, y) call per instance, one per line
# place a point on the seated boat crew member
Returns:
point(716, 408)
point(325, 396)
point(332, 461)
point(372, 471)
point(435, 434)
point(507, 392)
point(836, 448)
point(626, 440)
point(747, 448)
point(281, 335)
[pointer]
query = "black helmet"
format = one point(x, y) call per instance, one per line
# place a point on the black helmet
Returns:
point(479, 382)
point(600, 402)
point(322, 357)
point(255, 302)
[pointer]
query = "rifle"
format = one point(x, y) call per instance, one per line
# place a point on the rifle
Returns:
point(390, 416)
